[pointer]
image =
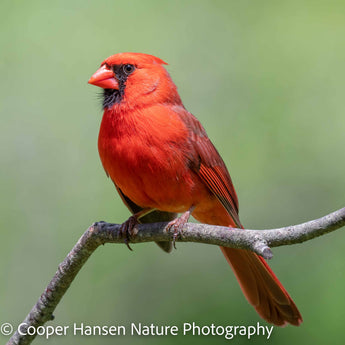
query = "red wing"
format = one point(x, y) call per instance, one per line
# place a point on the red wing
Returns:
point(215, 175)
point(210, 166)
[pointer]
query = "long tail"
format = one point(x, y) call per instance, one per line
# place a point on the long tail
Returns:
point(262, 288)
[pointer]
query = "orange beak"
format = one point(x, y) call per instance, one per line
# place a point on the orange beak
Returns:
point(105, 78)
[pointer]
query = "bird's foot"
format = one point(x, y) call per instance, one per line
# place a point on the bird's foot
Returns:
point(177, 225)
point(126, 230)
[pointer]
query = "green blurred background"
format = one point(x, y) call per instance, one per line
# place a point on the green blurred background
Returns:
point(266, 79)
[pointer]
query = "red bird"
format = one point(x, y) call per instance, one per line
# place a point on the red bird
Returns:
point(162, 163)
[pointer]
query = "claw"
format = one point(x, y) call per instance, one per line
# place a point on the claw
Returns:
point(128, 226)
point(126, 229)
point(178, 224)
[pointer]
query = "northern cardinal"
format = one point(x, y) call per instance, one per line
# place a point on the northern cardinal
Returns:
point(162, 163)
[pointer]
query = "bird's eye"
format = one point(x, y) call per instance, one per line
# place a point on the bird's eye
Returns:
point(128, 69)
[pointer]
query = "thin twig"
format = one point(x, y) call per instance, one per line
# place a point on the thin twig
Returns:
point(99, 233)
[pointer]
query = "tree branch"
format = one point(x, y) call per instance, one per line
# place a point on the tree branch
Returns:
point(99, 233)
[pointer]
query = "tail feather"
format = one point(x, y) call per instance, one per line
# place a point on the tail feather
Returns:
point(262, 288)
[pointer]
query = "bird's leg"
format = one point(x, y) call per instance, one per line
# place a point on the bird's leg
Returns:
point(127, 227)
point(178, 223)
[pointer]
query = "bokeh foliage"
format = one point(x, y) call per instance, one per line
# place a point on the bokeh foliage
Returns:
point(266, 78)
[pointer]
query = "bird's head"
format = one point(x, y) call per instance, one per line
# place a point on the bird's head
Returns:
point(134, 79)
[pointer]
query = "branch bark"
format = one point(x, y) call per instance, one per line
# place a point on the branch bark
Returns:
point(99, 233)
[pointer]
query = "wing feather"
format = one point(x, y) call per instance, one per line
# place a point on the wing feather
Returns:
point(210, 166)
